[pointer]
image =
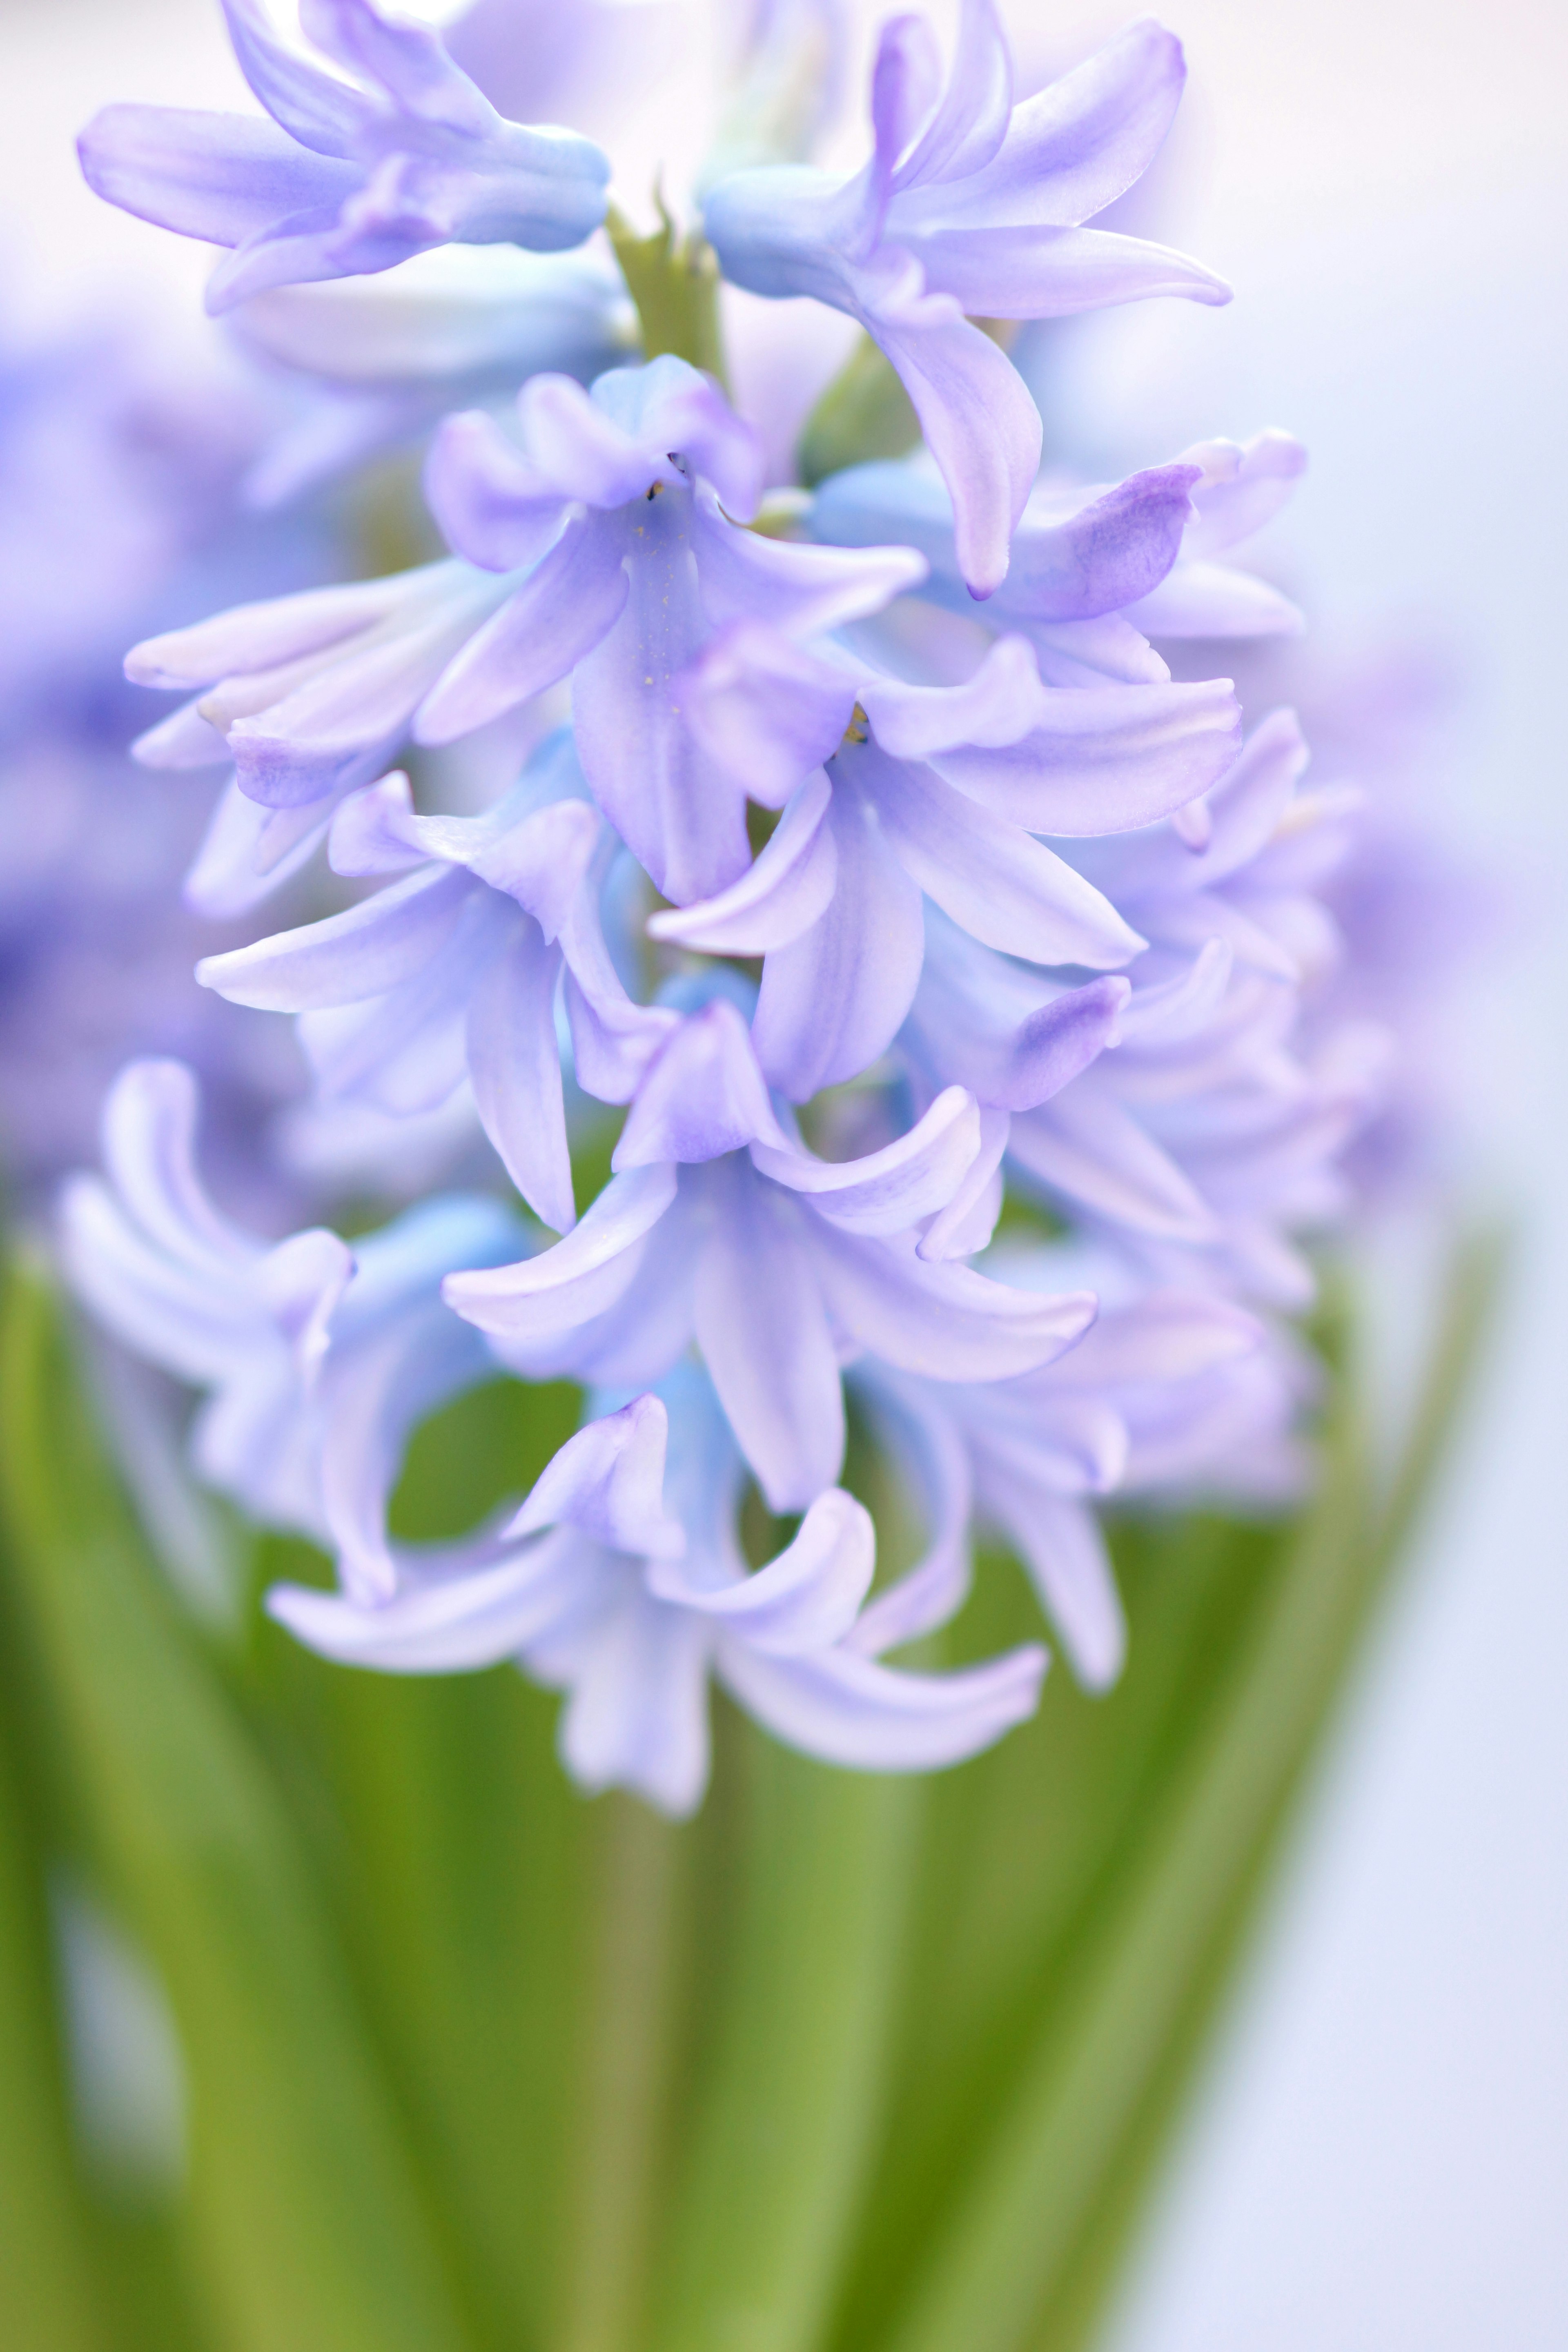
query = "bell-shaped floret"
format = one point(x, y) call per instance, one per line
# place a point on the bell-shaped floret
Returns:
point(969, 207)
point(382, 150)
point(449, 972)
point(621, 1581)
point(268, 1332)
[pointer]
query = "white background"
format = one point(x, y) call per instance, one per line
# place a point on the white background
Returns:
point(1380, 2159)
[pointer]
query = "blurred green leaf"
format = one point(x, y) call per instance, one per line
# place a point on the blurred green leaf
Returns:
point(307, 2221)
point(864, 413)
point(45, 2300)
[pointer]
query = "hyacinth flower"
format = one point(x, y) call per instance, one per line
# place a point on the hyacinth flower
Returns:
point(310, 697)
point(383, 362)
point(622, 499)
point(383, 152)
point(1157, 1392)
point(718, 1225)
point(621, 1581)
point(970, 205)
point(1096, 572)
point(926, 792)
point(1205, 1128)
point(274, 1334)
point(450, 971)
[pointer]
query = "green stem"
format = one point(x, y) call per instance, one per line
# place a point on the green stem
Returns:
point(626, 2069)
point(786, 2107)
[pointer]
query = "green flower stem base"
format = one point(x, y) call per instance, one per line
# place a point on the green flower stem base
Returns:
point(476, 2064)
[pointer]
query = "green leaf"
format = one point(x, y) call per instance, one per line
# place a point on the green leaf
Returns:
point(305, 2218)
point(43, 2241)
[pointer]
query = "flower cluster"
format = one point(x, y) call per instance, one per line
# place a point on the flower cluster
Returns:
point(936, 972)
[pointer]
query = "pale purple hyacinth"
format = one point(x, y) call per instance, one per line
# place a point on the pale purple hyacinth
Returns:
point(272, 1333)
point(970, 205)
point(622, 500)
point(601, 551)
point(880, 919)
point(383, 152)
point(1096, 572)
point(450, 971)
point(930, 791)
point(621, 1581)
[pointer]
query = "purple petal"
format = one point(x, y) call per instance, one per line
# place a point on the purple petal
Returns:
point(971, 121)
point(1085, 1145)
point(253, 637)
point(492, 506)
point(969, 1219)
point(1081, 141)
point(219, 178)
point(781, 894)
point(995, 882)
point(764, 1337)
point(514, 1062)
point(933, 1464)
point(542, 1298)
point(678, 810)
point(702, 1096)
point(953, 374)
point(804, 1599)
point(451, 1626)
point(614, 1039)
point(1242, 488)
point(1060, 1544)
point(319, 110)
point(1003, 700)
point(834, 998)
point(248, 851)
point(1053, 273)
point(799, 589)
point(944, 1321)
point(849, 1710)
point(767, 711)
point(1215, 600)
point(566, 607)
point(346, 957)
point(638, 1717)
point(1105, 759)
point(889, 1190)
point(608, 1480)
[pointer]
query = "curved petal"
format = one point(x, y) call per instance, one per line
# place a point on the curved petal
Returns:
point(889, 1190)
point(805, 1600)
point(945, 1321)
point(764, 1337)
point(568, 603)
point(781, 893)
point(514, 1063)
point(542, 1298)
point(703, 1096)
point(608, 1480)
point(345, 958)
point(833, 999)
point(849, 1710)
point(219, 178)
